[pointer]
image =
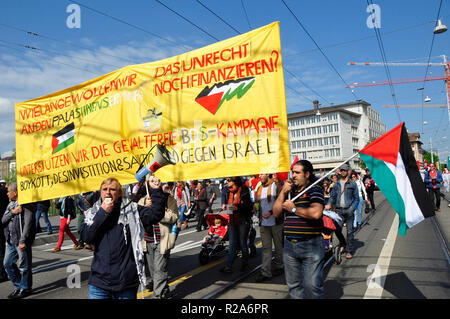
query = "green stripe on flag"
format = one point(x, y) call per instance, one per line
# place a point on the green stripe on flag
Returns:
point(387, 183)
point(64, 144)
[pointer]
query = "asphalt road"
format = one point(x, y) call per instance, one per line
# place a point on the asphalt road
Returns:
point(410, 267)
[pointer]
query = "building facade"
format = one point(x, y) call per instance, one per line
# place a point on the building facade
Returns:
point(329, 135)
point(416, 145)
point(7, 165)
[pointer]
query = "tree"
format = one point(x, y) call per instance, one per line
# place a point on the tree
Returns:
point(361, 162)
point(427, 157)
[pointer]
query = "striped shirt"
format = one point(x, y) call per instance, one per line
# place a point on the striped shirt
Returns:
point(296, 227)
point(150, 238)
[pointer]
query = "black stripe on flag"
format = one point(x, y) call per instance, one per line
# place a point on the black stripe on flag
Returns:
point(417, 184)
point(64, 130)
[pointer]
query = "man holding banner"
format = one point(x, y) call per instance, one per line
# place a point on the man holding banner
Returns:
point(220, 110)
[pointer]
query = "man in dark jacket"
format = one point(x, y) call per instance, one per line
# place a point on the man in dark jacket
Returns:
point(19, 233)
point(114, 225)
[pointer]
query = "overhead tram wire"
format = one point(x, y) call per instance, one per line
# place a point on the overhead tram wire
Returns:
point(321, 51)
point(386, 67)
point(130, 24)
point(360, 39)
point(65, 64)
point(58, 53)
point(428, 64)
point(187, 20)
point(40, 35)
point(218, 17)
point(291, 73)
point(246, 15)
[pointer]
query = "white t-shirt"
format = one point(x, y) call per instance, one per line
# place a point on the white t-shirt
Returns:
point(266, 205)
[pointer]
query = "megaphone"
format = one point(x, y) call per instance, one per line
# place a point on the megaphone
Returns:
point(162, 158)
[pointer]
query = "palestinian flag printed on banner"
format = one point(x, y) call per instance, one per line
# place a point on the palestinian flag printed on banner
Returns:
point(393, 167)
point(212, 98)
point(63, 138)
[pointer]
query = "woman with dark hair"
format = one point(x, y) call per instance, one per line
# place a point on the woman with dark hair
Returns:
point(238, 200)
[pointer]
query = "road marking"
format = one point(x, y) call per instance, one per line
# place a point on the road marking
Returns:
point(65, 263)
point(377, 279)
point(62, 248)
point(146, 292)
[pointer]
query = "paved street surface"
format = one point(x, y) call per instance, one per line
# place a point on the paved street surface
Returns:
point(385, 265)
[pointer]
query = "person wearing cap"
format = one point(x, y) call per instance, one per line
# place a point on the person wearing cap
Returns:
point(345, 197)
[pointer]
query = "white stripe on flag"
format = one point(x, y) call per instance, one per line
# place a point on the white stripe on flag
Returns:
point(413, 214)
point(66, 136)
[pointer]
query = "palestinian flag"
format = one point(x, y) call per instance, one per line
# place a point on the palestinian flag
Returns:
point(63, 138)
point(393, 167)
point(212, 98)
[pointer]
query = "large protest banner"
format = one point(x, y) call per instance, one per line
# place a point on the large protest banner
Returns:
point(220, 110)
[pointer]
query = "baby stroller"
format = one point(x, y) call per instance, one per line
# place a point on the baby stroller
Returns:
point(210, 249)
point(331, 244)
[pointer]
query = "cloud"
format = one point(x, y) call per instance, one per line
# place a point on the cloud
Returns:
point(7, 136)
point(32, 74)
point(6, 107)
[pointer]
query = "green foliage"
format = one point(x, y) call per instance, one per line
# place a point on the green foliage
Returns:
point(427, 157)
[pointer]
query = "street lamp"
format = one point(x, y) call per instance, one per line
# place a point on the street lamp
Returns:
point(440, 28)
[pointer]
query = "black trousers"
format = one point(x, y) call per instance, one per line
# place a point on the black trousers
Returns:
point(201, 220)
point(435, 196)
point(370, 195)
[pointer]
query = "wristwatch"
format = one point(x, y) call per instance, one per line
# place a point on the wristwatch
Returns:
point(293, 210)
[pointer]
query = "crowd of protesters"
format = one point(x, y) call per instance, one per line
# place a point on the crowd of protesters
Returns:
point(132, 229)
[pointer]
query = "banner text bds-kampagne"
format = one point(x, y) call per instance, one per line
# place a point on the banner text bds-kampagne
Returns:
point(246, 141)
point(220, 109)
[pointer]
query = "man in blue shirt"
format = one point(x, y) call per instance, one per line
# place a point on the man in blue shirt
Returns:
point(345, 197)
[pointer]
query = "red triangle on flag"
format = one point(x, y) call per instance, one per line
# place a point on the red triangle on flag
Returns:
point(296, 159)
point(210, 102)
point(386, 147)
point(55, 143)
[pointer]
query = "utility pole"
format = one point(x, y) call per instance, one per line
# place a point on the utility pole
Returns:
point(431, 146)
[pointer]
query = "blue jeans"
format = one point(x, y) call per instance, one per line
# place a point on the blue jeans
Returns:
point(238, 236)
point(348, 218)
point(303, 267)
point(98, 293)
point(47, 222)
point(358, 213)
point(18, 266)
point(182, 210)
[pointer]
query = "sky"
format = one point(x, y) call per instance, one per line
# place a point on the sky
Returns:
point(318, 39)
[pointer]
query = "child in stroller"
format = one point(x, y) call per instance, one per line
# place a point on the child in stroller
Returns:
point(214, 241)
point(331, 248)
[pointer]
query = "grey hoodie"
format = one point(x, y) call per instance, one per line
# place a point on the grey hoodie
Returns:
point(19, 228)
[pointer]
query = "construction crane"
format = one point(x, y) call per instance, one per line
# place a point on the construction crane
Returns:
point(445, 77)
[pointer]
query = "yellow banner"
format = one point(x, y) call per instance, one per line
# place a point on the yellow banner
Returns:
point(220, 110)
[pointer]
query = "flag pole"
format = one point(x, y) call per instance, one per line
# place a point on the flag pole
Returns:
point(326, 175)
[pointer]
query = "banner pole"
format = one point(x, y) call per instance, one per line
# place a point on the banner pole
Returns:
point(329, 173)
